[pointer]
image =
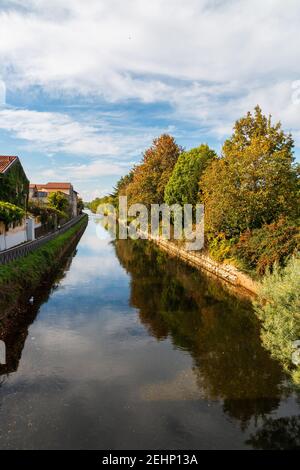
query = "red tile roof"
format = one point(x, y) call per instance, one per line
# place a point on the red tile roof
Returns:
point(6, 161)
point(57, 186)
point(36, 186)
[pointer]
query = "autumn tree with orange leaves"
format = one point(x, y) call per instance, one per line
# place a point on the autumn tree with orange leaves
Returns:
point(152, 175)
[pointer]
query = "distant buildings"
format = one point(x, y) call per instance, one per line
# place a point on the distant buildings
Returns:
point(15, 189)
point(40, 192)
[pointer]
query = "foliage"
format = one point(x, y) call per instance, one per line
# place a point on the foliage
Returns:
point(121, 187)
point(58, 201)
point(93, 205)
point(183, 185)
point(14, 186)
point(272, 243)
point(80, 206)
point(278, 307)
point(10, 214)
point(220, 248)
point(152, 175)
point(46, 213)
point(254, 182)
point(200, 316)
point(25, 274)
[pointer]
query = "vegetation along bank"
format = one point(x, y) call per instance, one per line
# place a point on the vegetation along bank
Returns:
point(19, 279)
point(251, 197)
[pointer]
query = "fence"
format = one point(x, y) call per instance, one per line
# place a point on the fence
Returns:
point(7, 256)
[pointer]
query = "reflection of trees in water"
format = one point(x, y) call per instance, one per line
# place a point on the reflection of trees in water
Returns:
point(277, 434)
point(14, 328)
point(218, 329)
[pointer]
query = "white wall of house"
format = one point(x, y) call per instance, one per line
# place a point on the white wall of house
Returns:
point(17, 235)
point(12, 237)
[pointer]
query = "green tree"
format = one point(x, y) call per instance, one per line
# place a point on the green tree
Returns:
point(183, 185)
point(254, 182)
point(80, 205)
point(59, 201)
point(121, 188)
point(152, 175)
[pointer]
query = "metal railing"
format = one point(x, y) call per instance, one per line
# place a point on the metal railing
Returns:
point(7, 256)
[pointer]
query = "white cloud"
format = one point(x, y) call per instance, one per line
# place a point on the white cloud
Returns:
point(211, 60)
point(57, 132)
point(99, 48)
point(208, 59)
point(2, 93)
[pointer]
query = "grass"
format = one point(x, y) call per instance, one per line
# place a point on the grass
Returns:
point(25, 274)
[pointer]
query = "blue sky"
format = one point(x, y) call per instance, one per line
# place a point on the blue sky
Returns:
point(85, 86)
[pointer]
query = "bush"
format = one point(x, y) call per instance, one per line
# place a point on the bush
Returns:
point(278, 307)
point(10, 214)
point(220, 248)
point(259, 249)
point(46, 213)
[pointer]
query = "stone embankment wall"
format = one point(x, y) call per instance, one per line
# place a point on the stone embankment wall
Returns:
point(199, 260)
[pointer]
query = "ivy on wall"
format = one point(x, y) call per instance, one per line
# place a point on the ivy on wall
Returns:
point(14, 186)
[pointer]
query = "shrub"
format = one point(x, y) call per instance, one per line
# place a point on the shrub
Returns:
point(273, 243)
point(220, 248)
point(10, 214)
point(278, 307)
point(47, 214)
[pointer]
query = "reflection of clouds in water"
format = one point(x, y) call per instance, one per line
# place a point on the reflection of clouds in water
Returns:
point(95, 259)
point(87, 269)
point(74, 351)
point(94, 244)
point(181, 387)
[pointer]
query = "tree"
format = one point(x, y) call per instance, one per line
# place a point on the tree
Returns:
point(59, 201)
point(152, 175)
point(183, 185)
point(254, 182)
point(121, 188)
point(80, 206)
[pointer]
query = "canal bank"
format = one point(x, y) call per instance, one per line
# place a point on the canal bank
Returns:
point(225, 272)
point(20, 278)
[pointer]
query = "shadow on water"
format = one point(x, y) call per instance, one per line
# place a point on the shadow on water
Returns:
point(219, 330)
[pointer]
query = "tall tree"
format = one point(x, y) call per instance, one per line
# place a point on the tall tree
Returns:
point(255, 181)
point(152, 175)
point(121, 187)
point(183, 185)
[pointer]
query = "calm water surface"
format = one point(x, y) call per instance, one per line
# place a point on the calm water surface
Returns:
point(128, 348)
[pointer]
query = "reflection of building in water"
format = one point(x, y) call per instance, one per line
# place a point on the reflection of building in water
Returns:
point(219, 330)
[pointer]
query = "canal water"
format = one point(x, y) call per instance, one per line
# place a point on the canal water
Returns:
point(127, 348)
